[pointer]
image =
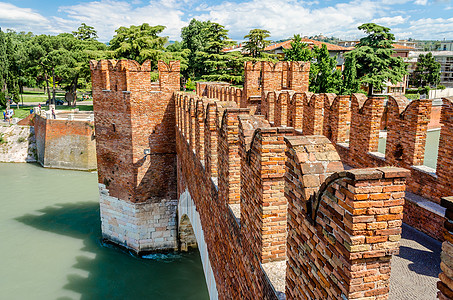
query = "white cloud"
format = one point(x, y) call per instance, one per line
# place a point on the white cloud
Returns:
point(283, 19)
point(22, 19)
point(390, 21)
point(107, 15)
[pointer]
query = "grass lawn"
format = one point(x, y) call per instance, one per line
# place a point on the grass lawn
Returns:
point(42, 97)
point(23, 112)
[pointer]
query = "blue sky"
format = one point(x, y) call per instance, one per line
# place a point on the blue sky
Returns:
point(420, 19)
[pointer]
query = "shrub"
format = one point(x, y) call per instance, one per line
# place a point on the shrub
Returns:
point(190, 85)
point(21, 139)
point(412, 96)
point(441, 87)
point(2, 140)
point(2, 99)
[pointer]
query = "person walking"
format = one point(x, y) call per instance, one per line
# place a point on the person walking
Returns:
point(53, 113)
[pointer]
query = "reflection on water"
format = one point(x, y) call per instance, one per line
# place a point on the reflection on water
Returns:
point(431, 148)
point(51, 249)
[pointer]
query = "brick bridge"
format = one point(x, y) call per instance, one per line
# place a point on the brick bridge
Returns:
point(256, 179)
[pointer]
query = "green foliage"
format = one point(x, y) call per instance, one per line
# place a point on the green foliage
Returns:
point(427, 71)
point(21, 139)
point(412, 96)
point(424, 90)
point(177, 52)
point(139, 43)
point(441, 87)
point(375, 64)
point(2, 139)
point(2, 99)
point(351, 84)
point(154, 76)
point(256, 42)
point(299, 51)
point(324, 77)
point(85, 33)
point(190, 85)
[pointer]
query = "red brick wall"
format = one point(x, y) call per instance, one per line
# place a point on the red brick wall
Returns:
point(238, 247)
point(406, 131)
point(445, 285)
point(355, 219)
point(129, 118)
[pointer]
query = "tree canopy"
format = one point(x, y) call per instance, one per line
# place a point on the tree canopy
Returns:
point(257, 42)
point(139, 43)
point(427, 71)
point(375, 64)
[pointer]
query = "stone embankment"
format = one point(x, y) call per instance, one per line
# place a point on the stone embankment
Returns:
point(17, 143)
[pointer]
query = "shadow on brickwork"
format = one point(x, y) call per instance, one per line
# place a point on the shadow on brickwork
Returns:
point(422, 251)
point(159, 180)
point(112, 273)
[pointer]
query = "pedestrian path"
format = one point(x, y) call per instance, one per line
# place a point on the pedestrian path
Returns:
point(416, 269)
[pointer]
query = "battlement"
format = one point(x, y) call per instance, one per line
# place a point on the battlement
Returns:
point(129, 76)
point(263, 173)
point(275, 191)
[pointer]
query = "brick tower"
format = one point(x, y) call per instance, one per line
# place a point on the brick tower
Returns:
point(136, 152)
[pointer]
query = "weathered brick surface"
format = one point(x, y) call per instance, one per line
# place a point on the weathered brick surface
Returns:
point(406, 131)
point(65, 144)
point(131, 115)
point(445, 285)
point(342, 235)
point(261, 189)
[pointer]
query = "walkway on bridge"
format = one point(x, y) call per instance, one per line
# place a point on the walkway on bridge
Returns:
point(416, 269)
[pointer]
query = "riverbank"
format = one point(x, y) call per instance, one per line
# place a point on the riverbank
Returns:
point(17, 143)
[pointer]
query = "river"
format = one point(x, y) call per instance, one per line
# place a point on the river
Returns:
point(51, 245)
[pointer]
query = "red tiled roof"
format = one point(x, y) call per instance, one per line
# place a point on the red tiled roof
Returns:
point(311, 43)
point(402, 47)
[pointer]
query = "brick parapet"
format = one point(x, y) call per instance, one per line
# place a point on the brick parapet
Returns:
point(314, 114)
point(356, 222)
point(407, 126)
point(228, 156)
point(263, 204)
point(241, 245)
point(335, 125)
point(366, 116)
point(445, 285)
point(444, 168)
point(295, 112)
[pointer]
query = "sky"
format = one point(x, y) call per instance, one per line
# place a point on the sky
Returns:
point(418, 19)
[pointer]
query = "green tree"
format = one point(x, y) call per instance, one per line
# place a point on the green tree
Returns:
point(350, 84)
point(85, 33)
point(194, 38)
point(427, 72)
point(375, 64)
point(176, 51)
point(139, 43)
point(324, 76)
point(257, 42)
point(299, 50)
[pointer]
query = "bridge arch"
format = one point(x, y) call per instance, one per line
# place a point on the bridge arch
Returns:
point(189, 219)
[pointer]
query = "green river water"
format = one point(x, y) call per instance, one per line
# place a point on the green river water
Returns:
point(50, 245)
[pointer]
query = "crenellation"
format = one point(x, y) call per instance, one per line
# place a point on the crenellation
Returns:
point(263, 166)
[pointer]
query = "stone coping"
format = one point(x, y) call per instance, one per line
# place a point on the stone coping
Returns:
point(236, 212)
point(275, 272)
point(426, 204)
point(426, 170)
